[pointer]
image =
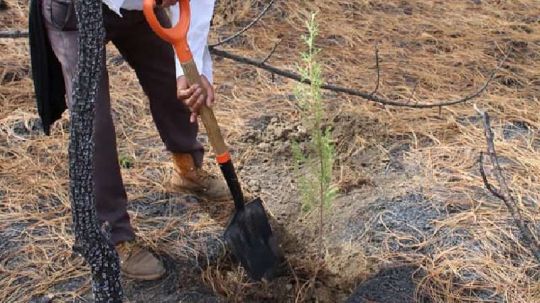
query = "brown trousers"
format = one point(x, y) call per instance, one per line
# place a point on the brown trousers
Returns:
point(153, 62)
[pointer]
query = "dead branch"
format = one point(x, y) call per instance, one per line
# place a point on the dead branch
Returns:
point(14, 34)
point(354, 92)
point(350, 91)
point(221, 42)
point(504, 193)
point(378, 70)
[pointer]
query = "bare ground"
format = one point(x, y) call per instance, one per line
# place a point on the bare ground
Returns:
point(412, 222)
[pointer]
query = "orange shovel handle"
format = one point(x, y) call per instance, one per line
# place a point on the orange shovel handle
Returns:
point(176, 35)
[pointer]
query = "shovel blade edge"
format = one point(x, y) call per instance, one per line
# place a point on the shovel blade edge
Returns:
point(250, 239)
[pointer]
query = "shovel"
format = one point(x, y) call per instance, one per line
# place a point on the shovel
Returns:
point(248, 234)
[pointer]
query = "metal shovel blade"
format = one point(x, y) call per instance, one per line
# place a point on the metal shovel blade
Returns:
point(249, 237)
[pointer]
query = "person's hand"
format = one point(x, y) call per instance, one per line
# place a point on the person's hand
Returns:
point(194, 96)
point(167, 3)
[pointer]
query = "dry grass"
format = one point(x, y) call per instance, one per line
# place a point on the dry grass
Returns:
point(443, 49)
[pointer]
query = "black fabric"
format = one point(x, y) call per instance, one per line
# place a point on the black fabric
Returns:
point(46, 71)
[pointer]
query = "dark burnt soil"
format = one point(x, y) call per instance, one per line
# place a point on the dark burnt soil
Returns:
point(390, 285)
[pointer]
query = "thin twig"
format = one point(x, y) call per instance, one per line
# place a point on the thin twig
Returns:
point(504, 193)
point(14, 34)
point(488, 185)
point(378, 70)
point(354, 92)
point(272, 51)
point(221, 42)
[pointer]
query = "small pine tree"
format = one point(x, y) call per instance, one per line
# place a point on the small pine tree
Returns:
point(314, 164)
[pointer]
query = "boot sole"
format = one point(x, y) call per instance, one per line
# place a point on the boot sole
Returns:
point(144, 277)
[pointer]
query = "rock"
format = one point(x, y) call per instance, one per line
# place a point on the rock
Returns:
point(301, 133)
point(263, 146)
point(279, 133)
point(254, 185)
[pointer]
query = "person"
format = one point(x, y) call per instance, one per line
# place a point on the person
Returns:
point(162, 81)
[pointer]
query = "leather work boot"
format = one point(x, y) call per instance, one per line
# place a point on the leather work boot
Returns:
point(187, 177)
point(136, 262)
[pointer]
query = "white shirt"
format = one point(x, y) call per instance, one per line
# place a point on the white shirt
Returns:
point(201, 14)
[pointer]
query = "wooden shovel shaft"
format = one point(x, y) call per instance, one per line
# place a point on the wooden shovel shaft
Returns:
point(207, 115)
point(216, 139)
